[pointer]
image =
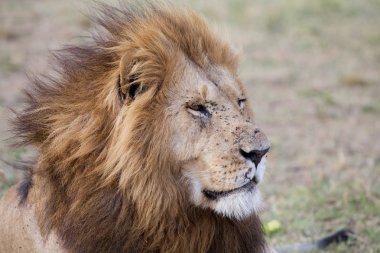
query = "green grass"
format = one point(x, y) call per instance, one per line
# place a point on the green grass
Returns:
point(330, 203)
point(373, 107)
point(9, 65)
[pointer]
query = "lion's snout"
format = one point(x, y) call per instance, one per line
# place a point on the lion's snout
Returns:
point(254, 146)
point(254, 155)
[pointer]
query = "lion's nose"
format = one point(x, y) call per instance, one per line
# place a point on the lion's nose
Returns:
point(254, 155)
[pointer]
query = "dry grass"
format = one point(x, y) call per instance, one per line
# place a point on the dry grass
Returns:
point(312, 69)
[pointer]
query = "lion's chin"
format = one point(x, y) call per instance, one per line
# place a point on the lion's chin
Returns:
point(239, 205)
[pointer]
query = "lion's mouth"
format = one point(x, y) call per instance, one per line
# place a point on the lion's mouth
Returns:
point(213, 195)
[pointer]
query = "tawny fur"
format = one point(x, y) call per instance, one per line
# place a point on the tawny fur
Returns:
point(104, 180)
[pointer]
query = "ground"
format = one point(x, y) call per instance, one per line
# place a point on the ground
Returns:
point(313, 73)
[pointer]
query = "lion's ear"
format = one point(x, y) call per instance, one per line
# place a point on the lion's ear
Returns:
point(129, 83)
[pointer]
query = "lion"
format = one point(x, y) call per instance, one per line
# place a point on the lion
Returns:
point(146, 142)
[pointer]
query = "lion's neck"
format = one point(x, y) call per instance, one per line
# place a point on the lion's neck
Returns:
point(104, 220)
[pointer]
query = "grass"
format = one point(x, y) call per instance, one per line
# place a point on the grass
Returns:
point(325, 207)
point(372, 107)
point(312, 73)
point(11, 62)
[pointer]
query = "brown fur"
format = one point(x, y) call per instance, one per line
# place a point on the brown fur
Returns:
point(104, 181)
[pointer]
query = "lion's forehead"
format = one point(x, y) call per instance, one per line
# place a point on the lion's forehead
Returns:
point(216, 85)
point(223, 83)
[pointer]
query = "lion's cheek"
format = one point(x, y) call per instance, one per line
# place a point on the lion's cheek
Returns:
point(195, 191)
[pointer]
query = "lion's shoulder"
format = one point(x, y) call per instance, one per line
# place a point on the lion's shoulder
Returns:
point(19, 231)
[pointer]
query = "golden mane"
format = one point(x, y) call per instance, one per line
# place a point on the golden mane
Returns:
point(103, 190)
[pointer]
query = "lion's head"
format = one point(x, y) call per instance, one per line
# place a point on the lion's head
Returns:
point(151, 118)
point(188, 88)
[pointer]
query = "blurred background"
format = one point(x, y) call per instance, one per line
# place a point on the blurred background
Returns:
point(312, 68)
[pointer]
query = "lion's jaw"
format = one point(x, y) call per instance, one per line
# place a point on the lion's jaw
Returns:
point(239, 203)
point(213, 134)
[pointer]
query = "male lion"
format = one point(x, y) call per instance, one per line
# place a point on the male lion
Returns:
point(146, 143)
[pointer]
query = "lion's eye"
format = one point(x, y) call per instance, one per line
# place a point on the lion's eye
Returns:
point(241, 103)
point(198, 110)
